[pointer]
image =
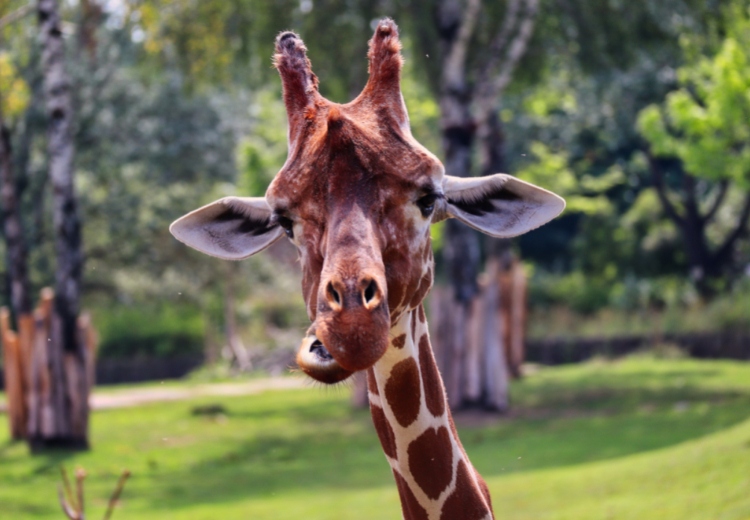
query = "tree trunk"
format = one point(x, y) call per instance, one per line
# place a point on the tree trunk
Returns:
point(496, 391)
point(16, 346)
point(706, 266)
point(234, 341)
point(476, 367)
point(63, 420)
point(13, 230)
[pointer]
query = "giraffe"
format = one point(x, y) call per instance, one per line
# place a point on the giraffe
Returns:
point(357, 195)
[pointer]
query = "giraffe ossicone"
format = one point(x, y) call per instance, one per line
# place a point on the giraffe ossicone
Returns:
point(357, 195)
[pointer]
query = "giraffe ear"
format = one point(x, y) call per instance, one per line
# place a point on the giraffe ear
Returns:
point(500, 205)
point(231, 228)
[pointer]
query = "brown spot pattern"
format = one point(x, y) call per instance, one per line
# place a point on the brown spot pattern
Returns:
point(433, 387)
point(409, 505)
point(399, 341)
point(424, 286)
point(431, 461)
point(372, 384)
point(422, 317)
point(403, 392)
point(385, 432)
point(465, 503)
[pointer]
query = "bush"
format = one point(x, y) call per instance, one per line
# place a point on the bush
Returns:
point(583, 294)
point(149, 331)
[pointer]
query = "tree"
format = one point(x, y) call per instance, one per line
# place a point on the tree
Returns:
point(14, 100)
point(60, 366)
point(700, 146)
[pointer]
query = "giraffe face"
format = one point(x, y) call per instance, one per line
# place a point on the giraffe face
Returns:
point(357, 199)
point(357, 195)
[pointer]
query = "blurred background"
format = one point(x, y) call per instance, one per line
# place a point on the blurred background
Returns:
point(637, 112)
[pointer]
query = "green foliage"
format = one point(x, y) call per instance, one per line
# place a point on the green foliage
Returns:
point(582, 195)
point(634, 431)
point(731, 311)
point(231, 42)
point(648, 307)
point(262, 153)
point(581, 293)
point(165, 330)
point(706, 122)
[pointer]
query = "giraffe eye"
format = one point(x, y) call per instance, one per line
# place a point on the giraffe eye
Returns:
point(287, 224)
point(426, 204)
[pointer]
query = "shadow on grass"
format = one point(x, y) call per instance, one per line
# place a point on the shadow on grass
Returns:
point(336, 448)
point(51, 460)
point(329, 448)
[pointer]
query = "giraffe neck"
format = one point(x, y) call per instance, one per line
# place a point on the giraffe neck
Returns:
point(433, 474)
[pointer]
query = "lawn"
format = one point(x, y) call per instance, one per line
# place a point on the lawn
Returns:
point(640, 438)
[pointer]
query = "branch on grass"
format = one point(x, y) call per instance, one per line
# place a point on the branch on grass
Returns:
point(116, 494)
point(73, 505)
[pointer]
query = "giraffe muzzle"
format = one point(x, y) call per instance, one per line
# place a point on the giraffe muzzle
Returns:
point(314, 360)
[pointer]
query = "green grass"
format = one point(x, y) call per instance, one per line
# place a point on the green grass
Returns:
point(640, 438)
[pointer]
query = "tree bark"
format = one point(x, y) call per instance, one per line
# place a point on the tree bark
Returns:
point(474, 362)
point(13, 230)
point(17, 347)
point(64, 423)
point(234, 341)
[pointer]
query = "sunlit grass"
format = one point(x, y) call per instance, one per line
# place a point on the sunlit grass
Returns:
point(641, 438)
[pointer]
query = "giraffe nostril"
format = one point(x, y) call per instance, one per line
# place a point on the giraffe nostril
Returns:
point(370, 291)
point(334, 293)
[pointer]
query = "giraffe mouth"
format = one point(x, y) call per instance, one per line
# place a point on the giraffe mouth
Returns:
point(319, 350)
point(314, 360)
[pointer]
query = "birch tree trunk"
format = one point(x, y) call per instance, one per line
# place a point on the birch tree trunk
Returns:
point(64, 422)
point(474, 360)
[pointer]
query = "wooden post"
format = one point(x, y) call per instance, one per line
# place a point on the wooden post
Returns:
point(60, 381)
point(476, 368)
point(518, 314)
point(496, 382)
point(13, 377)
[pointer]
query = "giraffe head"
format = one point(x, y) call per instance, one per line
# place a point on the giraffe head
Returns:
point(357, 195)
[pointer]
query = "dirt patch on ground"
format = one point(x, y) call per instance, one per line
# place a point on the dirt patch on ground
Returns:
point(108, 399)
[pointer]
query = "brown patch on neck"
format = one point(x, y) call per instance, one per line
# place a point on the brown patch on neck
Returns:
point(422, 289)
point(466, 500)
point(385, 432)
point(410, 507)
point(403, 392)
point(431, 461)
point(399, 341)
point(422, 317)
point(433, 385)
point(372, 384)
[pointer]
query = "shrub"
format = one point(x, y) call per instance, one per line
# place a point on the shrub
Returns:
point(149, 331)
